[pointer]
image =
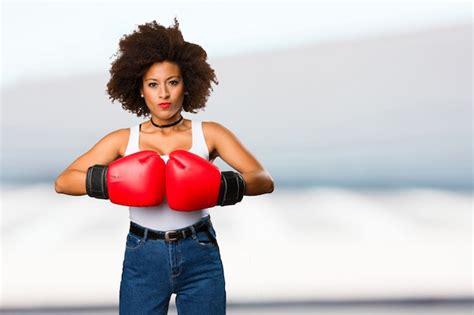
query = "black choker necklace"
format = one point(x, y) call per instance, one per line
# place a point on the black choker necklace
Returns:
point(164, 126)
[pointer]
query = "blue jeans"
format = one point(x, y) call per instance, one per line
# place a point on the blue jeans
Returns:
point(154, 269)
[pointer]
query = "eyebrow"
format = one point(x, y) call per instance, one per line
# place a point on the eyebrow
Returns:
point(166, 79)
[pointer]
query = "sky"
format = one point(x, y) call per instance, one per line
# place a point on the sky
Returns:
point(61, 38)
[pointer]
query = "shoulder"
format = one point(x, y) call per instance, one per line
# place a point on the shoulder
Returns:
point(218, 134)
point(214, 130)
point(120, 138)
point(119, 134)
point(116, 136)
point(213, 127)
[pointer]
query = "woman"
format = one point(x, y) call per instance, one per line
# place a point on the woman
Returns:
point(171, 246)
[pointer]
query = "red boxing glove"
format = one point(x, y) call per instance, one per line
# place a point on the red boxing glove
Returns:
point(193, 183)
point(137, 180)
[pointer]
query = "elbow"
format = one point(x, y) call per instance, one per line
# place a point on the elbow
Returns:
point(270, 185)
point(57, 186)
point(258, 183)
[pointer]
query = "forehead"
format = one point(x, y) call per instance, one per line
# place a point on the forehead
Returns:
point(163, 69)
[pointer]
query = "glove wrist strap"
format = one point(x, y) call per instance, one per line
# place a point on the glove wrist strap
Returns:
point(96, 185)
point(232, 188)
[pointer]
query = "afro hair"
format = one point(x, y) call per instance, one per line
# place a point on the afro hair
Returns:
point(153, 43)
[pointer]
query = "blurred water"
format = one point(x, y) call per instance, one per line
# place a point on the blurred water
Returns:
point(306, 244)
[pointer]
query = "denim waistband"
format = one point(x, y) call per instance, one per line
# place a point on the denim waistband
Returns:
point(203, 219)
point(171, 235)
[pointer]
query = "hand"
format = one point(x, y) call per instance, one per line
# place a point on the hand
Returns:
point(137, 180)
point(193, 183)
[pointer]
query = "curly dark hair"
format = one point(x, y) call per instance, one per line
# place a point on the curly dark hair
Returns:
point(155, 43)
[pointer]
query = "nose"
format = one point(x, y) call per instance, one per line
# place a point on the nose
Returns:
point(163, 92)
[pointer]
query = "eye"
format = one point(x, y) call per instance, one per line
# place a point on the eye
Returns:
point(176, 82)
point(150, 85)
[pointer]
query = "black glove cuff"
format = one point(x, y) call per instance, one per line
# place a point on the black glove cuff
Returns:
point(96, 185)
point(232, 188)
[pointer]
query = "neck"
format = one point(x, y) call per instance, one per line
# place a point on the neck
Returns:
point(164, 122)
point(167, 125)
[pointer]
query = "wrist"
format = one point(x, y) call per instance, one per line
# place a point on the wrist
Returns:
point(232, 188)
point(96, 182)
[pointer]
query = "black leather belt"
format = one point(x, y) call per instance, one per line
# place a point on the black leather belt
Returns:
point(172, 235)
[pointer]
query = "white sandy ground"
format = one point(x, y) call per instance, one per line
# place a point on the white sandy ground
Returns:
point(305, 244)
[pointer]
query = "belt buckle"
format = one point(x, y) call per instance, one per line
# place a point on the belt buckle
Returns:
point(167, 236)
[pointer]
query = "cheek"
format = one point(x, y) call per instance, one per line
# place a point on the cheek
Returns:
point(179, 91)
point(148, 92)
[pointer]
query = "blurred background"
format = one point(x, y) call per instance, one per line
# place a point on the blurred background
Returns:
point(360, 110)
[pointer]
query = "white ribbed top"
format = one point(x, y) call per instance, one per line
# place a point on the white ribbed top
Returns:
point(162, 217)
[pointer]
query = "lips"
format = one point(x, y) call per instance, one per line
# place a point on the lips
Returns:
point(164, 105)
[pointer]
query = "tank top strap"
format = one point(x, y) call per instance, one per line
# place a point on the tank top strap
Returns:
point(199, 142)
point(133, 139)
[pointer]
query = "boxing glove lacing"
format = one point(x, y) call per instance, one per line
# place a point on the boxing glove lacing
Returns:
point(232, 188)
point(96, 185)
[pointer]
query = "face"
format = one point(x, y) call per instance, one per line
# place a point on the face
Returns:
point(163, 83)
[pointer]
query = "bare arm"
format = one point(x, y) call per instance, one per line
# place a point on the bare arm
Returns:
point(257, 180)
point(72, 181)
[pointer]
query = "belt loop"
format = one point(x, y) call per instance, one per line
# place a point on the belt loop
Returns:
point(145, 235)
point(193, 232)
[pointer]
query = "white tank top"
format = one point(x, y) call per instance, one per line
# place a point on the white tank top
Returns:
point(162, 217)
